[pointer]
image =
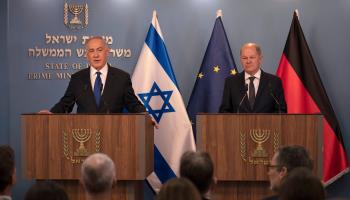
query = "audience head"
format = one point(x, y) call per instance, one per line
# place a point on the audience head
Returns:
point(285, 160)
point(46, 190)
point(301, 184)
point(98, 174)
point(198, 168)
point(178, 188)
point(7, 169)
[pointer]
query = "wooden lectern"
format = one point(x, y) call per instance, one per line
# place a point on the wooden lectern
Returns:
point(54, 146)
point(241, 146)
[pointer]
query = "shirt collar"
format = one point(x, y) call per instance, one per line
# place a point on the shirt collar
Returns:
point(257, 75)
point(103, 71)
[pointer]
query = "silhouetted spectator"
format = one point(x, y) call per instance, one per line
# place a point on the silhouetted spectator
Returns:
point(46, 190)
point(198, 168)
point(285, 160)
point(301, 184)
point(98, 175)
point(178, 189)
point(7, 172)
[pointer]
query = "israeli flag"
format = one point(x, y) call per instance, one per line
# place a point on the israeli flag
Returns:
point(155, 85)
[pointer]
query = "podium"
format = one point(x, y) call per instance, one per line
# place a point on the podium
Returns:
point(242, 145)
point(55, 145)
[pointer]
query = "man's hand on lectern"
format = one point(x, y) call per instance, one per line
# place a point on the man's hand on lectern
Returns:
point(44, 112)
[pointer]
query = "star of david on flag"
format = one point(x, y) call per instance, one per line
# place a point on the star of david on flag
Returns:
point(165, 95)
point(155, 84)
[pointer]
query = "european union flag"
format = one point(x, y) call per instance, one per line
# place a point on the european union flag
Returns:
point(217, 64)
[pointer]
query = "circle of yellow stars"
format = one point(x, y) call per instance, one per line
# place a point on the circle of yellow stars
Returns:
point(216, 69)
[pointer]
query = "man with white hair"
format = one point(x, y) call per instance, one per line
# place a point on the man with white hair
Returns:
point(253, 90)
point(98, 176)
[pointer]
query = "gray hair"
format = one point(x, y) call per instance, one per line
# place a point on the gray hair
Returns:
point(251, 44)
point(98, 173)
point(96, 38)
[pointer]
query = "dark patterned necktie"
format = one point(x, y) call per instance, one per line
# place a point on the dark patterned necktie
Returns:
point(251, 96)
point(98, 88)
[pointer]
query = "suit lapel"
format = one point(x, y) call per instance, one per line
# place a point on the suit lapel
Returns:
point(242, 86)
point(87, 82)
point(108, 84)
point(262, 86)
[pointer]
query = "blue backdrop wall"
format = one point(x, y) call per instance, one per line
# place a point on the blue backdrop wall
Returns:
point(186, 25)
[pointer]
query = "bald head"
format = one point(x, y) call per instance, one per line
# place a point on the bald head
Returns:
point(98, 173)
point(251, 45)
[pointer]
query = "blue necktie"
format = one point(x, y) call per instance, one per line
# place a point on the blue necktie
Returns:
point(98, 88)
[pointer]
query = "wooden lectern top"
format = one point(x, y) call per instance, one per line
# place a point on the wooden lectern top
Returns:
point(242, 145)
point(55, 145)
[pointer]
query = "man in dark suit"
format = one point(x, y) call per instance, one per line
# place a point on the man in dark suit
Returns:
point(99, 88)
point(253, 90)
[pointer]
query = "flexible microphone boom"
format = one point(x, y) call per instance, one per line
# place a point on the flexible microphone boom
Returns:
point(275, 98)
point(104, 100)
point(244, 96)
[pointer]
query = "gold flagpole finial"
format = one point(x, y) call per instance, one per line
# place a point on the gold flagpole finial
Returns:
point(154, 13)
point(218, 13)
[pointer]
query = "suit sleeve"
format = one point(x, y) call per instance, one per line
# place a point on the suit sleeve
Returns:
point(66, 103)
point(226, 102)
point(131, 101)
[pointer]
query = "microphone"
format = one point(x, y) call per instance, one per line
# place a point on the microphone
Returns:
point(106, 105)
point(67, 106)
point(275, 98)
point(244, 96)
point(101, 88)
point(104, 100)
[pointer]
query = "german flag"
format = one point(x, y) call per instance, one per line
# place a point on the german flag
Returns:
point(305, 94)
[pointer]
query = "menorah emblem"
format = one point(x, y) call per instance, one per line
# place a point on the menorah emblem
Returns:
point(259, 136)
point(81, 136)
point(75, 9)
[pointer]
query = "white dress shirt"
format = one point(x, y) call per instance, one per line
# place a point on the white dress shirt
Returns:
point(256, 81)
point(103, 75)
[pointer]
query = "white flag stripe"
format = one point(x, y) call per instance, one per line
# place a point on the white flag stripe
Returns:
point(179, 141)
point(161, 96)
point(153, 180)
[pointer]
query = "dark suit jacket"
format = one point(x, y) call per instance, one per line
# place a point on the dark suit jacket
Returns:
point(270, 86)
point(117, 94)
point(275, 197)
